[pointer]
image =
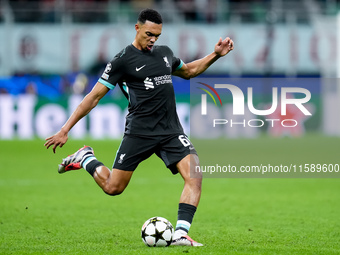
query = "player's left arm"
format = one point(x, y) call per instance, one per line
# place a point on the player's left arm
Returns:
point(192, 69)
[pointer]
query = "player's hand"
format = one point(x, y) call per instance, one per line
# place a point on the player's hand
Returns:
point(222, 48)
point(59, 139)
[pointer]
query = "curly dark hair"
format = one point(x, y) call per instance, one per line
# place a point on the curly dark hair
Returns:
point(150, 15)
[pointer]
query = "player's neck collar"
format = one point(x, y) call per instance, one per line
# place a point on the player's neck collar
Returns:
point(141, 51)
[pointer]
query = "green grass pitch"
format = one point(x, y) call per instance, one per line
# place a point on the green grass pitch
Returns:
point(43, 212)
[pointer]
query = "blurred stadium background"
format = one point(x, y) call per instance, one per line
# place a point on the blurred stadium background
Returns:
point(53, 51)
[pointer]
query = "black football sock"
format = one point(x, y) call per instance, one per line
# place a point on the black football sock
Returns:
point(90, 164)
point(186, 214)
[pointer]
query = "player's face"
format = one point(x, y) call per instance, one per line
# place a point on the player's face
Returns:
point(147, 34)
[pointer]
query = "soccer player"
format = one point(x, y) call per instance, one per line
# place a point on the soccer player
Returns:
point(143, 72)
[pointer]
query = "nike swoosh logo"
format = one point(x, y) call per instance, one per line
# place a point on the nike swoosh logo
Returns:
point(137, 69)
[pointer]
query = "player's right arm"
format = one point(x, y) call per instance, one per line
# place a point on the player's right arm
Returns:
point(86, 105)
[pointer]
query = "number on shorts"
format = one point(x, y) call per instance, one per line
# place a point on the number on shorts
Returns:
point(184, 140)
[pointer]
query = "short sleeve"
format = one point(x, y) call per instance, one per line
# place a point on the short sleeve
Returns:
point(176, 63)
point(112, 73)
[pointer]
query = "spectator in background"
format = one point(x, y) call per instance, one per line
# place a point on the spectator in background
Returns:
point(31, 88)
point(188, 8)
point(142, 4)
point(48, 11)
point(98, 67)
point(80, 84)
point(25, 11)
point(3, 91)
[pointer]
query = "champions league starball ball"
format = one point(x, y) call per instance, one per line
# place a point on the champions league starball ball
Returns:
point(157, 231)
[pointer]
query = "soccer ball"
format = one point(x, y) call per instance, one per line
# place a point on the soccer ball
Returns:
point(157, 231)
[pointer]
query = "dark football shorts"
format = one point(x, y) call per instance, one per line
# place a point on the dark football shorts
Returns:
point(170, 148)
